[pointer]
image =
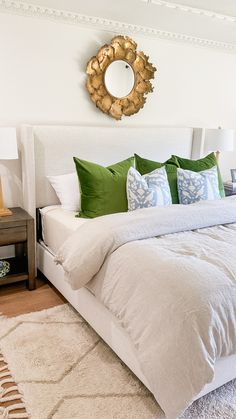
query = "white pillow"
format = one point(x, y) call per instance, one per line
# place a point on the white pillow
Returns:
point(67, 190)
point(149, 190)
point(197, 186)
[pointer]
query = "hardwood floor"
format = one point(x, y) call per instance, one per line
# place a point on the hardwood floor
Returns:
point(16, 299)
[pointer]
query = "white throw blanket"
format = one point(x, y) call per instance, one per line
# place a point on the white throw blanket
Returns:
point(175, 295)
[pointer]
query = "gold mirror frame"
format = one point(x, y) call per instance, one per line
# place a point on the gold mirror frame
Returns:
point(120, 48)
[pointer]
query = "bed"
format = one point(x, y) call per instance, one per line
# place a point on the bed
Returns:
point(105, 146)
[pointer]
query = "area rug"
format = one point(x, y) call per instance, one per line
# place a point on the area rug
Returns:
point(63, 370)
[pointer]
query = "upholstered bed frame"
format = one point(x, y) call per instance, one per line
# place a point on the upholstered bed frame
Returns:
point(48, 150)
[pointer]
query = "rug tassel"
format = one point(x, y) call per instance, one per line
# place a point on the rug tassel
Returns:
point(8, 380)
point(10, 398)
point(4, 374)
point(15, 406)
point(5, 413)
point(8, 390)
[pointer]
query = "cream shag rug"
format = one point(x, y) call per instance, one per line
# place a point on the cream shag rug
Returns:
point(65, 371)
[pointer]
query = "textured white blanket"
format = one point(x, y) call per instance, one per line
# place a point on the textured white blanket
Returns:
point(175, 295)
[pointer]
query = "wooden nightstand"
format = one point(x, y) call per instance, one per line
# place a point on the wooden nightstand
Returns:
point(18, 229)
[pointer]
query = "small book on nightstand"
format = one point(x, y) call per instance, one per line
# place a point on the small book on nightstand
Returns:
point(230, 188)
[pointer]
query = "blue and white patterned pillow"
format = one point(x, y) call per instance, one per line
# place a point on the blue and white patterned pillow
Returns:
point(197, 186)
point(149, 190)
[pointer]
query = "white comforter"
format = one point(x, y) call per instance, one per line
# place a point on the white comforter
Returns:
point(175, 295)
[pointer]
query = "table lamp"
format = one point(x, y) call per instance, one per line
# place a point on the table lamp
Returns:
point(218, 140)
point(8, 151)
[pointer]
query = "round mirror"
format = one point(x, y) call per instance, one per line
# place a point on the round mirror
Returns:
point(119, 79)
point(118, 86)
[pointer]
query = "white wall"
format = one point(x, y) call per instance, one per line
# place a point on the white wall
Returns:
point(42, 78)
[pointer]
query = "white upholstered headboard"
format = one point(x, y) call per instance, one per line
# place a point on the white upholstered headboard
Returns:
point(48, 150)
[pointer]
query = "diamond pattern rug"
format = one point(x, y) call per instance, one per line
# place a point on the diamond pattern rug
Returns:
point(63, 370)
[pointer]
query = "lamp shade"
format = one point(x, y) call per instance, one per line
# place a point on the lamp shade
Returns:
point(219, 140)
point(8, 144)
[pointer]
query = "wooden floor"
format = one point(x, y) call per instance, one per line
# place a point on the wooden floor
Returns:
point(16, 299)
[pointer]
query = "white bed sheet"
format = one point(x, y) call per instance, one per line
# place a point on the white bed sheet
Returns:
point(57, 225)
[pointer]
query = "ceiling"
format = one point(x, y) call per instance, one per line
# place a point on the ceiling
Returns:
point(191, 18)
point(227, 7)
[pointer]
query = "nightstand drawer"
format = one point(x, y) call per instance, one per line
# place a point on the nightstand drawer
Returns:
point(18, 229)
point(12, 235)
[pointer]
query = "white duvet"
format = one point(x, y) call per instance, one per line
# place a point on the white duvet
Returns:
point(175, 294)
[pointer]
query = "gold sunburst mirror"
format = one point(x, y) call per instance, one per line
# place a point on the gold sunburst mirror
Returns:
point(118, 78)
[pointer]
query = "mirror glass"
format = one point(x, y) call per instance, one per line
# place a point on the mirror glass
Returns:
point(119, 78)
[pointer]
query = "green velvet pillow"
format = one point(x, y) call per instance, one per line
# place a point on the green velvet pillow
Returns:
point(146, 166)
point(202, 164)
point(103, 189)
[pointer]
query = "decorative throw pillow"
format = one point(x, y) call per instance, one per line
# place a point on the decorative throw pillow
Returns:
point(201, 186)
point(202, 164)
point(146, 166)
point(103, 189)
point(67, 190)
point(148, 190)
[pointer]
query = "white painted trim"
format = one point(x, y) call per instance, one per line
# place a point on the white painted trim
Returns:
point(57, 15)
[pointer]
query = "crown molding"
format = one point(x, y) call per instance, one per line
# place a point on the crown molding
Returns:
point(64, 16)
point(193, 10)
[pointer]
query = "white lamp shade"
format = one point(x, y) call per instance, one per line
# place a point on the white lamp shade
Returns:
point(8, 144)
point(219, 140)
